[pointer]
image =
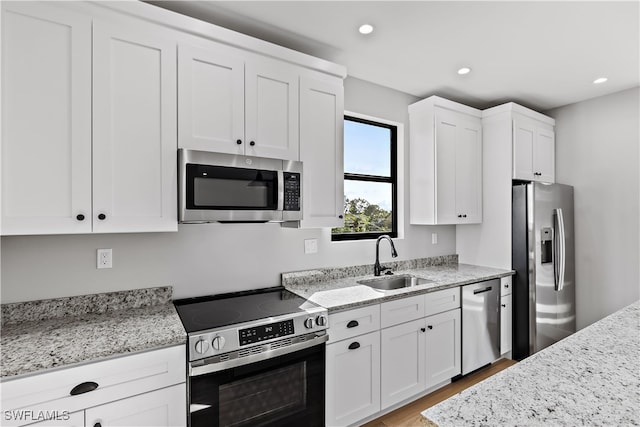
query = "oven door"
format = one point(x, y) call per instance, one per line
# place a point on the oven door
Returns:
point(282, 391)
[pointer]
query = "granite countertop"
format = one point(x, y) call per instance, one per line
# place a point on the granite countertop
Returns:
point(41, 335)
point(589, 378)
point(338, 289)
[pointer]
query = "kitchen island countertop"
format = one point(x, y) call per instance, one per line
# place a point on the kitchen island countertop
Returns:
point(589, 378)
point(46, 334)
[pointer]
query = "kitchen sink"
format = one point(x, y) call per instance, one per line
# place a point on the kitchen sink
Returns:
point(388, 283)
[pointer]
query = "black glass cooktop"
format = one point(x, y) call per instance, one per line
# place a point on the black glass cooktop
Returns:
point(202, 313)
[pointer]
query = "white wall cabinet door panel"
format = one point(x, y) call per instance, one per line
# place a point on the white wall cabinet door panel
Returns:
point(506, 313)
point(523, 140)
point(160, 408)
point(544, 154)
point(210, 99)
point(353, 379)
point(134, 128)
point(321, 151)
point(271, 109)
point(402, 371)
point(443, 347)
point(446, 167)
point(46, 117)
point(468, 169)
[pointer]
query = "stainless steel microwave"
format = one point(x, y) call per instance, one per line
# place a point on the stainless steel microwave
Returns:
point(217, 187)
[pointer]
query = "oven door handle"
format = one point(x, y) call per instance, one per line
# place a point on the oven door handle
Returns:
point(196, 370)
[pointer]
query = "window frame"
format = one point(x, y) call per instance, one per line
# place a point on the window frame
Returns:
point(392, 179)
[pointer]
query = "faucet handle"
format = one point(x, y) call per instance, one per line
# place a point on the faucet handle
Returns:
point(389, 272)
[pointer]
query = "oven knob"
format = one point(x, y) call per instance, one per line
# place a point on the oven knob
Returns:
point(321, 320)
point(202, 346)
point(218, 342)
point(308, 323)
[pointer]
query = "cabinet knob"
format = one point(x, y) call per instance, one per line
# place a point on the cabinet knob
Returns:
point(459, 216)
point(430, 327)
point(537, 174)
point(97, 425)
point(102, 217)
point(80, 217)
point(354, 345)
point(340, 216)
point(252, 143)
point(423, 330)
point(239, 142)
point(504, 305)
point(464, 216)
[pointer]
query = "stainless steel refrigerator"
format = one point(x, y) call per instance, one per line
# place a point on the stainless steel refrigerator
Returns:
point(544, 309)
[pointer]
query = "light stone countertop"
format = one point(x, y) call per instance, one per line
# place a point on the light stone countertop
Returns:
point(343, 293)
point(590, 378)
point(41, 335)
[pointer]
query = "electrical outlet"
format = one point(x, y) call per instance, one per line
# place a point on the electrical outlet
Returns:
point(105, 258)
point(311, 246)
point(434, 238)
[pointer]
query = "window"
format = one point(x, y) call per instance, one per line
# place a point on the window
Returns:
point(369, 180)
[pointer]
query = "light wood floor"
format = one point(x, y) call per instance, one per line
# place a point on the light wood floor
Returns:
point(409, 415)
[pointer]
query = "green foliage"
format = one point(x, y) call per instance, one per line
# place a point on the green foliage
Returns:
point(363, 217)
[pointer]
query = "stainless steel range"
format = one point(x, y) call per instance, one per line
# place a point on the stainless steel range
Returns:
point(256, 358)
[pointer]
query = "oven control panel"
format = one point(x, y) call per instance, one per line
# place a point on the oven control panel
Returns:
point(265, 332)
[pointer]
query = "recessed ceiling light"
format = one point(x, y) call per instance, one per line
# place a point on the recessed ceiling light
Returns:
point(464, 70)
point(600, 80)
point(366, 29)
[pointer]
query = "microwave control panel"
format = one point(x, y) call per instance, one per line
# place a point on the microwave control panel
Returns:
point(291, 191)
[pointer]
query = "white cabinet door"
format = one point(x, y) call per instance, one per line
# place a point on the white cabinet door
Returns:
point(46, 118)
point(210, 99)
point(161, 408)
point(134, 128)
point(544, 154)
point(533, 150)
point(468, 169)
point(443, 347)
point(458, 168)
point(505, 323)
point(271, 109)
point(402, 358)
point(353, 379)
point(321, 151)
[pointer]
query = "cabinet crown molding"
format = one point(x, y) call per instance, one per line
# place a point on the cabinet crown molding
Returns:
point(512, 107)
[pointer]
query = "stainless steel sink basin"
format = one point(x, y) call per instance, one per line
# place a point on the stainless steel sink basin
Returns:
point(388, 283)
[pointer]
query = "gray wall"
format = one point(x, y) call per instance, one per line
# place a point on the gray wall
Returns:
point(211, 258)
point(597, 152)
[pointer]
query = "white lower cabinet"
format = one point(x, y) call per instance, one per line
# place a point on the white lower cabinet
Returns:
point(143, 389)
point(164, 407)
point(443, 347)
point(353, 379)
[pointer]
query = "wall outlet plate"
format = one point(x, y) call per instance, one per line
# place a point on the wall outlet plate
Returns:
point(105, 258)
point(434, 238)
point(311, 246)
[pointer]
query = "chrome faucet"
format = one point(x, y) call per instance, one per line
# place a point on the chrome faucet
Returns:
point(377, 268)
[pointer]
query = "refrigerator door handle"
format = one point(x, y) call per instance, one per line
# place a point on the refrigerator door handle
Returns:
point(559, 258)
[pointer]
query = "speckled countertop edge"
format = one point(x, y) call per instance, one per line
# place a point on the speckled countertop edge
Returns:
point(589, 378)
point(346, 293)
point(58, 334)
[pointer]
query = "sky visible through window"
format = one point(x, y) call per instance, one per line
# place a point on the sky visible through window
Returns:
point(367, 152)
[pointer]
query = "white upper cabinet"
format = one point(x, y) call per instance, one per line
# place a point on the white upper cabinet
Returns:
point(210, 99)
point(46, 119)
point(533, 149)
point(445, 163)
point(134, 129)
point(321, 151)
point(234, 102)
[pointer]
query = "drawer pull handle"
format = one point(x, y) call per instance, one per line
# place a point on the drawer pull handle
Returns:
point(430, 327)
point(504, 305)
point(97, 425)
point(83, 388)
point(423, 330)
point(479, 291)
point(352, 324)
point(354, 345)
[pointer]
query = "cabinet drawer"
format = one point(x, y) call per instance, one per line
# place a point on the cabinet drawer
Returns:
point(347, 324)
point(401, 310)
point(506, 285)
point(439, 301)
point(116, 378)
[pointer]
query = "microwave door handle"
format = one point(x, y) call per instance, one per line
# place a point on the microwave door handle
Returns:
point(280, 191)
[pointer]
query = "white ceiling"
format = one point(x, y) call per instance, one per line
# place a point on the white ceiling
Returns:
point(540, 54)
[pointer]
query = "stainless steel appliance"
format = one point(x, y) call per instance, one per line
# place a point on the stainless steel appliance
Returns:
point(217, 187)
point(255, 358)
point(480, 324)
point(543, 293)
